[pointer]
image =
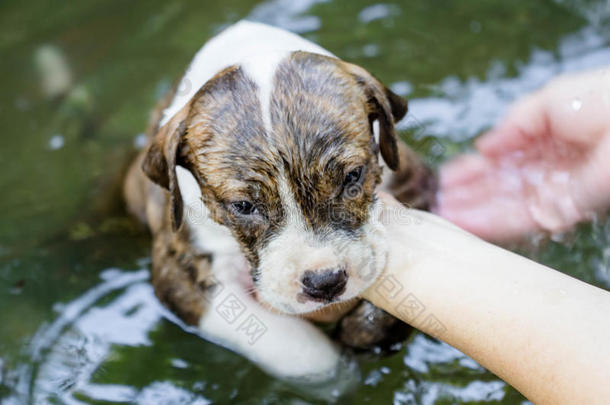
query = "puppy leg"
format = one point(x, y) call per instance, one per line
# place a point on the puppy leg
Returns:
point(368, 328)
point(285, 346)
point(210, 293)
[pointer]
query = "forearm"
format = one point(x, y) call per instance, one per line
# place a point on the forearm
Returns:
point(545, 333)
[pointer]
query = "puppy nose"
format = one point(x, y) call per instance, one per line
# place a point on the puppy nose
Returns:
point(324, 285)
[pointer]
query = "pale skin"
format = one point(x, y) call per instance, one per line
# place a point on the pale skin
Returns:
point(543, 332)
point(545, 167)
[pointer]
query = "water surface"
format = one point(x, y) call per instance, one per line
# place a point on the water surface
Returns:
point(79, 323)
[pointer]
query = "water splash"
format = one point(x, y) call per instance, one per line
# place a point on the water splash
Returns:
point(288, 14)
point(378, 12)
point(66, 353)
point(464, 109)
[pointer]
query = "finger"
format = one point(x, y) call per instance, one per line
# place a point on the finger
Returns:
point(503, 140)
point(590, 188)
point(525, 122)
point(462, 170)
point(496, 220)
point(492, 206)
point(467, 196)
point(495, 181)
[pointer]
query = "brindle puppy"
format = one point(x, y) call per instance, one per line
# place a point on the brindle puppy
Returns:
point(259, 187)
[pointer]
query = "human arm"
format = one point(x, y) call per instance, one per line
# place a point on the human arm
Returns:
point(543, 332)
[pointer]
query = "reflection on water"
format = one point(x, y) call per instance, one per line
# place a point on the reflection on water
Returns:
point(601, 262)
point(67, 352)
point(121, 311)
point(109, 340)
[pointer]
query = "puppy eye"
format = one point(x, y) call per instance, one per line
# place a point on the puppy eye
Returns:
point(243, 207)
point(353, 176)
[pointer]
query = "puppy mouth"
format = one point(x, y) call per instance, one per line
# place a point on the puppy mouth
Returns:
point(331, 312)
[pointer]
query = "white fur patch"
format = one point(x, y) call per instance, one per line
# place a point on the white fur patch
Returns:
point(284, 346)
point(243, 43)
point(261, 69)
point(282, 260)
point(294, 218)
point(207, 235)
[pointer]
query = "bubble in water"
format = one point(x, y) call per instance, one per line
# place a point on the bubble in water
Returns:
point(576, 104)
point(140, 141)
point(56, 142)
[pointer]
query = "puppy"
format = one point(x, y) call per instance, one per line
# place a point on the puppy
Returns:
point(258, 185)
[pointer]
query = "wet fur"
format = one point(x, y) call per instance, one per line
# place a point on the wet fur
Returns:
point(181, 273)
point(182, 277)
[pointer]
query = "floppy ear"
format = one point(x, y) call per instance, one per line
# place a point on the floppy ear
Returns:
point(386, 107)
point(160, 162)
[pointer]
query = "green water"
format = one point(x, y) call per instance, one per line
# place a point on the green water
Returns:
point(72, 331)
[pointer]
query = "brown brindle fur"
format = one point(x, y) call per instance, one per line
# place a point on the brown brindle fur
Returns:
point(227, 143)
point(181, 277)
point(321, 115)
point(318, 120)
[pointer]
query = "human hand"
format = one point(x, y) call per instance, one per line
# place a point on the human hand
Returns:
point(467, 292)
point(546, 166)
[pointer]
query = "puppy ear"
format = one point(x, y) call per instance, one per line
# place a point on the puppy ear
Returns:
point(399, 105)
point(386, 107)
point(160, 163)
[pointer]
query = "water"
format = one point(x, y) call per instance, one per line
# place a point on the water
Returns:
point(79, 323)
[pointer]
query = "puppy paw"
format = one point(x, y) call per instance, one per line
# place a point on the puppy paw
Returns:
point(368, 328)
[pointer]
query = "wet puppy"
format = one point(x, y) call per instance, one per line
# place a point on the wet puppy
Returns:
point(258, 185)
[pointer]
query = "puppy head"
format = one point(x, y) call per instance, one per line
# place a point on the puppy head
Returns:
point(289, 165)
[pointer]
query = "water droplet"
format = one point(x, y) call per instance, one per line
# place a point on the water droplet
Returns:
point(140, 141)
point(56, 142)
point(576, 104)
point(377, 12)
point(402, 88)
point(370, 50)
point(179, 363)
